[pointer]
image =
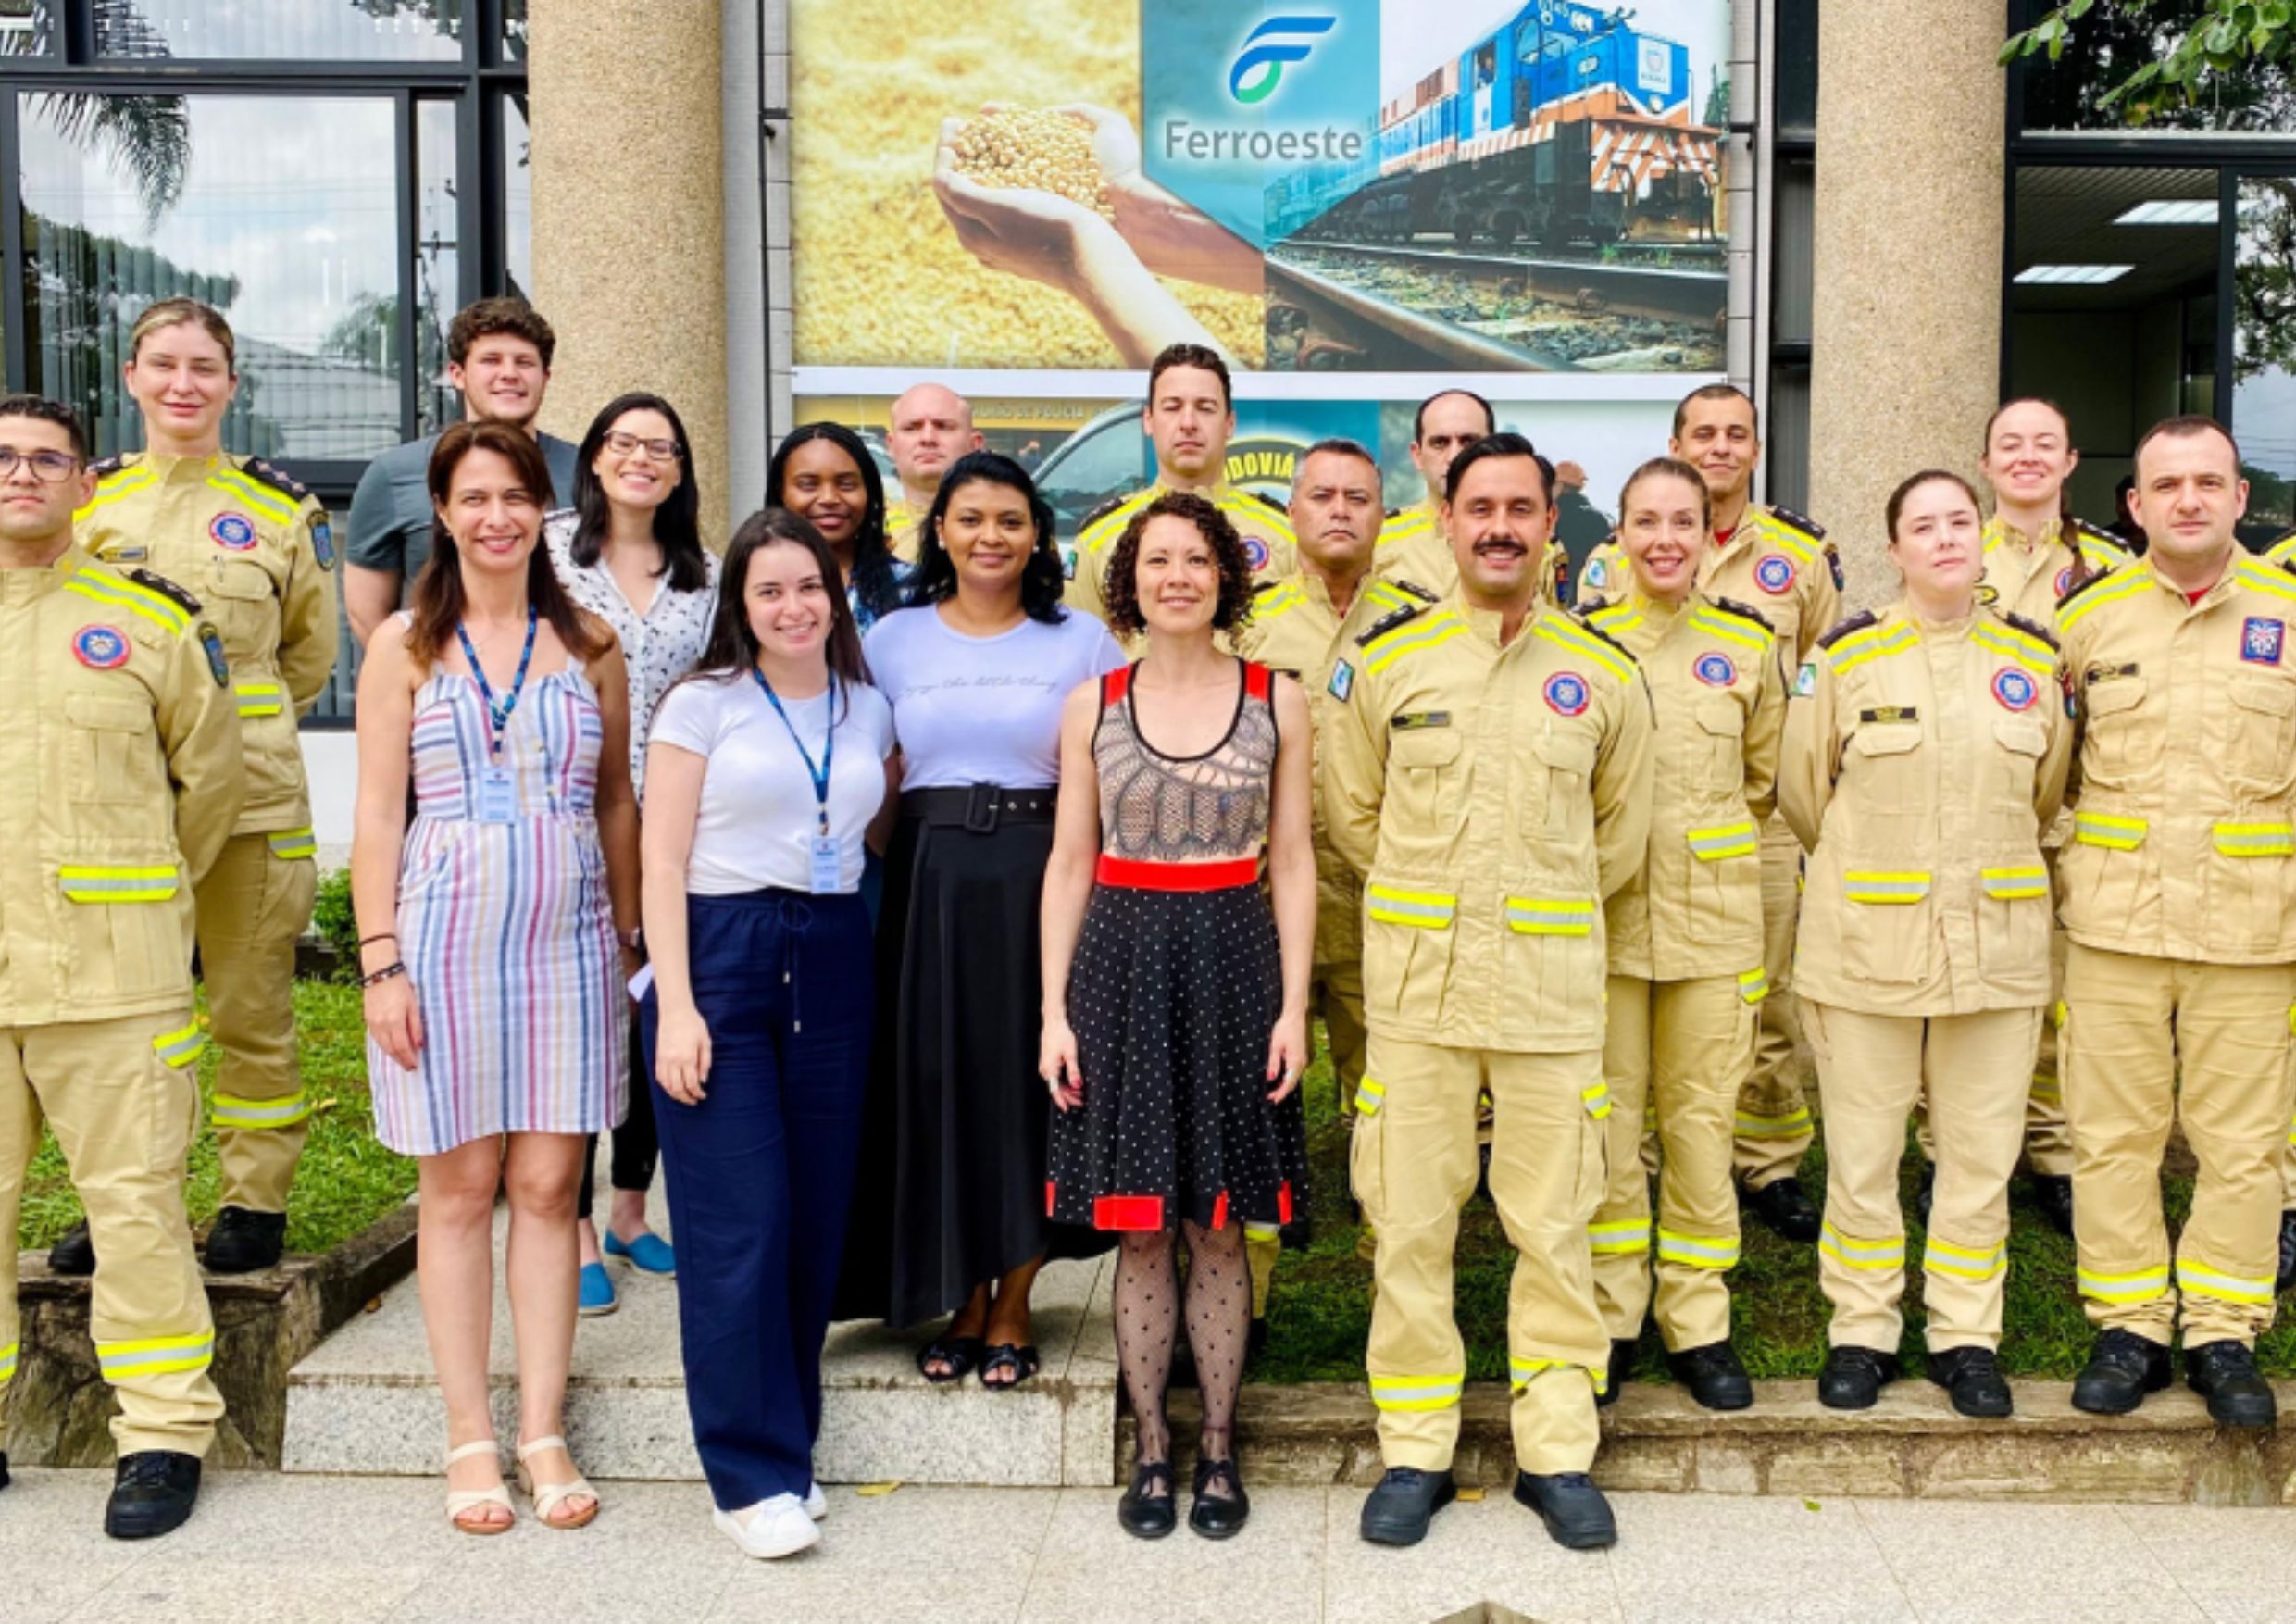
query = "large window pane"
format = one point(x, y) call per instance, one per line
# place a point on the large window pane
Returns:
point(438, 259)
point(2264, 351)
point(514, 31)
point(517, 186)
point(2111, 42)
point(304, 31)
point(27, 28)
point(132, 199)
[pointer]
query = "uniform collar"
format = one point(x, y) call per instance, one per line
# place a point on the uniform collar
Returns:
point(175, 470)
point(20, 586)
point(1486, 624)
point(2226, 583)
point(1217, 492)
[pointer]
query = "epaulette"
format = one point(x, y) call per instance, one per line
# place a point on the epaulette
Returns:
point(1857, 622)
point(1744, 612)
point(1414, 588)
point(277, 478)
point(1565, 629)
point(2029, 627)
point(1271, 502)
point(2083, 589)
point(1587, 611)
point(1265, 587)
point(1808, 527)
point(1106, 511)
point(175, 595)
point(1389, 621)
point(104, 467)
point(1605, 636)
point(2081, 527)
point(2282, 549)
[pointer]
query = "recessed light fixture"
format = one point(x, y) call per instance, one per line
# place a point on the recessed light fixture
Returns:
point(2172, 211)
point(2074, 276)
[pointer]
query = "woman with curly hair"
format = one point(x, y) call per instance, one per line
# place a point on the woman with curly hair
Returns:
point(1175, 997)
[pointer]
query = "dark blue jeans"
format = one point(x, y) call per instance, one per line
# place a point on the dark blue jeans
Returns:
point(760, 1174)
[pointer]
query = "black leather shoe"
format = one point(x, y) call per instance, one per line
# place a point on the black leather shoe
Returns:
point(1145, 1514)
point(2225, 1374)
point(2123, 1368)
point(1577, 1515)
point(243, 1242)
point(1924, 1191)
point(1853, 1378)
point(2287, 1280)
point(1222, 1516)
point(4, 1468)
point(1397, 1511)
point(1784, 1209)
point(1621, 1361)
point(1713, 1376)
point(2052, 1193)
point(1972, 1379)
point(153, 1491)
point(74, 1255)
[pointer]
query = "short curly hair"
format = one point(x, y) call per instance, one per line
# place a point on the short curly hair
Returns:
point(1120, 590)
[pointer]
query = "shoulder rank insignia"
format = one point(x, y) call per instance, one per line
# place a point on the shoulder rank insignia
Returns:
point(1414, 588)
point(1857, 622)
point(165, 588)
point(2030, 628)
point(1808, 527)
point(1745, 612)
point(277, 478)
point(104, 467)
point(1389, 621)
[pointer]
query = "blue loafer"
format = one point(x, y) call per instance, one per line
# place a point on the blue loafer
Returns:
point(598, 1295)
point(649, 1254)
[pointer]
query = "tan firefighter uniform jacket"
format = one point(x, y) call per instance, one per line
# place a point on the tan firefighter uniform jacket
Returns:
point(1695, 909)
point(1778, 562)
point(117, 726)
point(1266, 529)
point(2030, 577)
point(1493, 798)
point(256, 548)
point(2184, 837)
point(1921, 764)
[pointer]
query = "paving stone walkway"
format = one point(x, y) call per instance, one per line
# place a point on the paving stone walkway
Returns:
point(335, 1550)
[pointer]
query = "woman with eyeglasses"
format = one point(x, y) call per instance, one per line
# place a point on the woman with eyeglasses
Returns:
point(629, 551)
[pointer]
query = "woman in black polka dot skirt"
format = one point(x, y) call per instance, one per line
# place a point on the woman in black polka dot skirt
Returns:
point(1175, 994)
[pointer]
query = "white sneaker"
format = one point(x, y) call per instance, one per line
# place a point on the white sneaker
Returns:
point(816, 1503)
point(772, 1528)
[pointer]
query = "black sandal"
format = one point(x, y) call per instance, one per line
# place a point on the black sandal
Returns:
point(1145, 1516)
point(1218, 1517)
point(1021, 1361)
point(960, 1353)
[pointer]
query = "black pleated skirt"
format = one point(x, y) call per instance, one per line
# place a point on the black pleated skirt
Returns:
point(951, 1191)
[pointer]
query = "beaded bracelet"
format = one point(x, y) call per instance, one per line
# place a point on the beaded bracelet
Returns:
point(395, 967)
point(379, 936)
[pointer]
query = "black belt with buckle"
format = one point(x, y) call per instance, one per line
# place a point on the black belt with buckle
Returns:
point(978, 809)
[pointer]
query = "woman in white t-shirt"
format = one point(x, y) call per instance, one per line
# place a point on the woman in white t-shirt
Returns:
point(954, 1153)
point(764, 772)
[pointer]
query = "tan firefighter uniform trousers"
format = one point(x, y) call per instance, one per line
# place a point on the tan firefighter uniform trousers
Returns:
point(2048, 1140)
point(1415, 1165)
point(253, 904)
point(1871, 1068)
point(1684, 1047)
point(121, 1097)
point(1774, 1106)
point(1335, 997)
point(2130, 1022)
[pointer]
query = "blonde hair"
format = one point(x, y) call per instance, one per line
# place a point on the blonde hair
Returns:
point(170, 313)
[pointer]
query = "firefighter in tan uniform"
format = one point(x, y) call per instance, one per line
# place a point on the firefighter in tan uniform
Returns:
point(1413, 544)
point(2180, 898)
point(1782, 565)
point(118, 730)
point(256, 548)
point(1686, 982)
point(1487, 773)
point(1190, 416)
point(1926, 752)
point(931, 427)
point(2283, 552)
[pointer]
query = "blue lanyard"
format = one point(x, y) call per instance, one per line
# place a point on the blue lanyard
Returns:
point(821, 775)
point(499, 713)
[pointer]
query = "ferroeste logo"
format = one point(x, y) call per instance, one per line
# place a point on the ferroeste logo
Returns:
point(1258, 68)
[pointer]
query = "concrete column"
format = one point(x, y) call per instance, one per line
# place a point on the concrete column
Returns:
point(625, 98)
point(1905, 345)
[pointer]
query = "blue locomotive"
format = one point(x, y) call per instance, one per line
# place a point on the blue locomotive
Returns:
point(1564, 125)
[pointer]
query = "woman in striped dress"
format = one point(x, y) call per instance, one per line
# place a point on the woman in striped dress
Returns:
point(494, 978)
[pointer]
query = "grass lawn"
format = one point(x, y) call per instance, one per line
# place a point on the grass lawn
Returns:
point(346, 1182)
point(1319, 1310)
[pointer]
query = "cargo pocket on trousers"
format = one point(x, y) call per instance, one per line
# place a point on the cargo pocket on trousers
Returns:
point(1593, 1157)
point(1367, 1150)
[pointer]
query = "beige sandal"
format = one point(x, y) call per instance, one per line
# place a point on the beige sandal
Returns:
point(461, 1503)
point(548, 1497)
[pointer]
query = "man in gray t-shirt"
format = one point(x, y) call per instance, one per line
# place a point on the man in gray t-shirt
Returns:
point(499, 354)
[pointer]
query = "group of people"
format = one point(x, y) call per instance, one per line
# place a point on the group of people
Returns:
point(764, 864)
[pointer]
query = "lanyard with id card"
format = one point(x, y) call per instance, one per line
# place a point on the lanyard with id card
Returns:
point(826, 867)
point(498, 792)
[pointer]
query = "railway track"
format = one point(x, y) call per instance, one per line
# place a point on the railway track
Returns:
point(1665, 293)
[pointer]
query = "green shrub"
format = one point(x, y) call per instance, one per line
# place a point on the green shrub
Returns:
point(336, 924)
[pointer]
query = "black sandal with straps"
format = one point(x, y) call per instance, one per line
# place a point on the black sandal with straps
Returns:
point(1147, 1516)
point(1022, 1361)
point(960, 1353)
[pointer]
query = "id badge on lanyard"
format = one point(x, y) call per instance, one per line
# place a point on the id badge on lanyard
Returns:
point(497, 791)
point(825, 867)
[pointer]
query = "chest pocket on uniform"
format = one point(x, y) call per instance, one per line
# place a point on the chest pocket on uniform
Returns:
point(1884, 766)
point(109, 745)
point(2259, 757)
point(2020, 743)
point(245, 610)
point(1566, 763)
point(1721, 739)
point(2112, 754)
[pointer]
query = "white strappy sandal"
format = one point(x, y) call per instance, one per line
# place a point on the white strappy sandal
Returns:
point(548, 1497)
point(461, 1503)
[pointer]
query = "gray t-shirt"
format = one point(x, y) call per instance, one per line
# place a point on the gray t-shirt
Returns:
point(390, 524)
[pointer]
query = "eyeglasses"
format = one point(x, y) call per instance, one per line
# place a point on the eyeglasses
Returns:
point(623, 444)
point(50, 467)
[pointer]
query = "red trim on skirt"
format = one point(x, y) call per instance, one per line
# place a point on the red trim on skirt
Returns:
point(1135, 875)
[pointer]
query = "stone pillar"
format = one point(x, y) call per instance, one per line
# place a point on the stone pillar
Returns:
point(625, 101)
point(1906, 342)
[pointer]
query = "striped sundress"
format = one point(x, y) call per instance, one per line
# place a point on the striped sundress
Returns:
point(505, 929)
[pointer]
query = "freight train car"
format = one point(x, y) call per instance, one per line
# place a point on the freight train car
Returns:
point(1564, 125)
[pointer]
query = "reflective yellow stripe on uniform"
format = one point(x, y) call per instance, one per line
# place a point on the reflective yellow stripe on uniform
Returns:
point(1697, 1250)
point(1566, 635)
point(2264, 578)
point(1521, 1372)
point(1866, 1254)
point(2255, 840)
point(1527, 916)
point(1789, 1125)
point(259, 698)
point(2014, 884)
point(180, 1047)
point(2141, 1287)
point(2120, 584)
point(7, 1362)
point(1383, 652)
point(1754, 985)
point(1596, 1098)
point(1263, 1231)
point(1878, 887)
point(290, 843)
point(1734, 631)
point(158, 1356)
point(2198, 1280)
point(125, 595)
point(1416, 1393)
point(1616, 617)
point(126, 482)
point(2118, 834)
point(2036, 657)
point(233, 1112)
point(1290, 594)
point(1724, 839)
point(1379, 592)
point(1369, 1097)
point(1626, 1238)
point(1426, 909)
point(118, 885)
point(1861, 646)
point(1963, 1262)
point(272, 504)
